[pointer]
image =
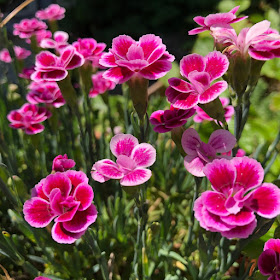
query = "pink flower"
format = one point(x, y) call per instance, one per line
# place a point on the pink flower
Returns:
point(214, 20)
point(65, 197)
point(28, 27)
point(201, 115)
point(40, 35)
point(100, 84)
point(28, 118)
point(49, 67)
point(62, 163)
point(52, 12)
point(42, 278)
point(200, 153)
point(132, 160)
point(59, 41)
point(90, 49)
point(259, 41)
point(45, 92)
point(146, 58)
point(237, 193)
point(201, 72)
point(27, 72)
point(166, 120)
point(269, 260)
point(20, 54)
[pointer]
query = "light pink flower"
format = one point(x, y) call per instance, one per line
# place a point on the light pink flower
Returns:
point(269, 260)
point(100, 84)
point(201, 115)
point(28, 27)
point(62, 163)
point(49, 67)
point(59, 41)
point(90, 49)
point(201, 72)
point(52, 12)
point(28, 118)
point(132, 160)
point(146, 58)
point(20, 54)
point(200, 153)
point(260, 42)
point(166, 120)
point(237, 193)
point(65, 197)
point(45, 92)
point(214, 20)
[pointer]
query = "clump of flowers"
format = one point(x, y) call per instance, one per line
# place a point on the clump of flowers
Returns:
point(65, 197)
point(51, 13)
point(201, 72)
point(132, 160)
point(59, 41)
point(199, 153)
point(28, 27)
point(100, 84)
point(20, 54)
point(29, 118)
point(237, 194)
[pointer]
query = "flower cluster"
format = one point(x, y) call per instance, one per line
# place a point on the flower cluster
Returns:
point(51, 13)
point(65, 197)
point(28, 27)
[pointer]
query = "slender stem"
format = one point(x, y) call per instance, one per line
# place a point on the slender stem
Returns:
point(271, 148)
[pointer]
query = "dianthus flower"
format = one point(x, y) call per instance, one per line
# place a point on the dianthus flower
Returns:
point(20, 54)
point(199, 153)
point(28, 27)
point(100, 84)
point(237, 193)
point(166, 120)
point(49, 67)
point(201, 72)
point(28, 118)
point(146, 58)
point(27, 72)
point(40, 35)
point(65, 197)
point(62, 163)
point(59, 41)
point(45, 92)
point(90, 49)
point(269, 260)
point(132, 160)
point(214, 20)
point(201, 115)
point(52, 12)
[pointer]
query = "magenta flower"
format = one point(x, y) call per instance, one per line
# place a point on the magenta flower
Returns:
point(62, 163)
point(59, 41)
point(132, 160)
point(146, 58)
point(201, 72)
point(166, 120)
point(49, 67)
point(27, 72)
point(90, 49)
point(45, 92)
point(214, 20)
point(200, 153)
point(28, 118)
point(237, 193)
point(52, 12)
point(269, 260)
point(42, 278)
point(259, 41)
point(201, 115)
point(65, 197)
point(40, 35)
point(28, 27)
point(20, 54)
point(100, 84)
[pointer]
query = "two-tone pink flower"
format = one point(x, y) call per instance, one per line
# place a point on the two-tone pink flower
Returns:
point(62, 163)
point(51, 13)
point(238, 193)
point(200, 153)
point(201, 72)
point(29, 118)
point(59, 41)
point(146, 58)
point(28, 27)
point(165, 120)
point(49, 67)
point(20, 54)
point(66, 198)
point(131, 164)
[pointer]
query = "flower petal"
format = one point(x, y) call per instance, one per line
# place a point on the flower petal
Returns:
point(194, 165)
point(58, 180)
point(118, 75)
point(186, 101)
point(149, 43)
point(242, 218)
point(84, 194)
point(180, 85)
point(190, 141)
point(156, 70)
point(144, 155)
point(111, 171)
point(121, 44)
point(213, 92)
point(273, 244)
point(267, 262)
point(108, 60)
point(136, 177)
point(215, 203)
point(222, 141)
point(191, 62)
point(123, 144)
